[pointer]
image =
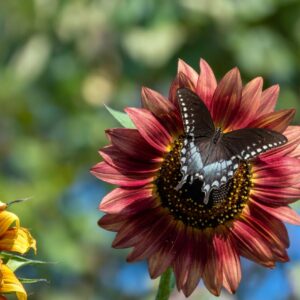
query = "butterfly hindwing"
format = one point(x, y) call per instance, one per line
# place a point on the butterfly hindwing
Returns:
point(220, 166)
point(191, 161)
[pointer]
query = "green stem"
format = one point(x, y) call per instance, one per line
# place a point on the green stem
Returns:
point(165, 285)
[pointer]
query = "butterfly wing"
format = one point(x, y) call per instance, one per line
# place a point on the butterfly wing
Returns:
point(197, 124)
point(224, 157)
point(220, 165)
point(248, 143)
point(216, 162)
point(196, 118)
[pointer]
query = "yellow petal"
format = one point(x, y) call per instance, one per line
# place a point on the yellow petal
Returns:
point(6, 220)
point(3, 206)
point(11, 284)
point(18, 240)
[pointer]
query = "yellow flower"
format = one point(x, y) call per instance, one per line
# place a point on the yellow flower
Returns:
point(9, 283)
point(12, 236)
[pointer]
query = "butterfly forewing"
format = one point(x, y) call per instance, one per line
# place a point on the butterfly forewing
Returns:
point(196, 118)
point(197, 123)
point(250, 142)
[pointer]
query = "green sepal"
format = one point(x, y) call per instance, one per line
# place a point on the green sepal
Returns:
point(14, 262)
point(121, 117)
point(33, 280)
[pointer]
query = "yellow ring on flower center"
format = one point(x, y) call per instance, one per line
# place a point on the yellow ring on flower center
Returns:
point(225, 204)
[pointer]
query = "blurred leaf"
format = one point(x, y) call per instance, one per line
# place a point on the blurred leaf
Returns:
point(121, 117)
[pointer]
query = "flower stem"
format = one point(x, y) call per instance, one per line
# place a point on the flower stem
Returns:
point(166, 285)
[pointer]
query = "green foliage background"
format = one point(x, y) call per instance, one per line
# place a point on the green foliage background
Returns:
point(61, 61)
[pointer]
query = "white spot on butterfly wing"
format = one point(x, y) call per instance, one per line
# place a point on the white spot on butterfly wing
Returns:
point(184, 169)
point(215, 183)
point(223, 179)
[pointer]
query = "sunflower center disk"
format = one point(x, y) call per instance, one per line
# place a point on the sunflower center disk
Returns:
point(187, 205)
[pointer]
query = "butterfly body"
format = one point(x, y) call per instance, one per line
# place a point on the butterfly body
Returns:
point(210, 155)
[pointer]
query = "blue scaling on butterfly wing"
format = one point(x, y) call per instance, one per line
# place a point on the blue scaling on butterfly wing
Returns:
point(219, 169)
point(191, 162)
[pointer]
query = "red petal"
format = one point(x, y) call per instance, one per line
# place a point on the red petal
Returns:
point(293, 135)
point(207, 83)
point(213, 271)
point(226, 100)
point(156, 103)
point(136, 227)
point(133, 144)
point(270, 228)
point(249, 105)
point(111, 175)
point(192, 261)
point(181, 260)
point(277, 121)
point(251, 245)
point(268, 100)
point(180, 81)
point(276, 197)
point(163, 109)
point(283, 213)
point(123, 162)
point(195, 261)
point(163, 258)
point(150, 129)
point(278, 173)
point(111, 222)
point(120, 199)
point(188, 71)
point(151, 240)
point(231, 265)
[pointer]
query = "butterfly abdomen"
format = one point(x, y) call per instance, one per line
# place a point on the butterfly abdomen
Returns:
point(217, 135)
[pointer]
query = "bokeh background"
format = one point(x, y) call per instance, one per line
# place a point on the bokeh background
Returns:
point(60, 62)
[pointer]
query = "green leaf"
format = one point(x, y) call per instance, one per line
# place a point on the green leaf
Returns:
point(15, 262)
point(33, 280)
point(121, 117)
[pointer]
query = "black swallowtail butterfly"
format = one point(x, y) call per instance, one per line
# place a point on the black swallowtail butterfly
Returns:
point(210, 155)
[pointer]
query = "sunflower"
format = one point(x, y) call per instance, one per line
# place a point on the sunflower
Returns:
point(13, 238)
point(174, 227)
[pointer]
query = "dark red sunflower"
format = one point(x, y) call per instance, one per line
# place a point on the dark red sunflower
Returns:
point(176, 229)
